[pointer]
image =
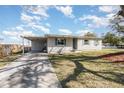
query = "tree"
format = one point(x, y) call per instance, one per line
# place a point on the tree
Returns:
point(111, 38)
point(117, 21)
point(121, 12)
point(122, 39)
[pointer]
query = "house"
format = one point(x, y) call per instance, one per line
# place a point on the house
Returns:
point(63, 43)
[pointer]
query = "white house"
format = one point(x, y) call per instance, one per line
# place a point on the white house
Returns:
point(64, 43)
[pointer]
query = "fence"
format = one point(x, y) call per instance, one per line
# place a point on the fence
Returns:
point(113, 47)
point(120, 46)
point(109, 47)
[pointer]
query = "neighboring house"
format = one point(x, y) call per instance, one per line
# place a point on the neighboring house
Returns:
point(64, 43)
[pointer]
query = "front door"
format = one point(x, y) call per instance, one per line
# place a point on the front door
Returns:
point(74, 43)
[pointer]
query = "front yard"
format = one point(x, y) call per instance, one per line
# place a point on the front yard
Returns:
point(8, 59)
point(89, 69)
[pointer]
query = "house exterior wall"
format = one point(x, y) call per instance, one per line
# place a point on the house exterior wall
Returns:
point(38, 45)
point(52, 48)
point(90, 46)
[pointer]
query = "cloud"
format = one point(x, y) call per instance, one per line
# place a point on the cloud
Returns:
point(32, 17)
point(37, 10)
point(10, 33)
point(65, 31)
point(17, 33)
point(26, 18)
point(19, 28)
point(41, 28)
point(110, 15)
point(27, 33)
point(48, 25)
point(14, 36)
point(83, 32)
point(36, 18)
point(95, 21)
point(38, 27)
point(109, 9)
point(29, 18)
point(66, 10)
point(34, 14)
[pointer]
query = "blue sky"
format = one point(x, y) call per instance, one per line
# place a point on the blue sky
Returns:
point(40, 20)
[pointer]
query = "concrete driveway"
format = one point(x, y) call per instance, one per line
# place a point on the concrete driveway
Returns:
point(30, 71)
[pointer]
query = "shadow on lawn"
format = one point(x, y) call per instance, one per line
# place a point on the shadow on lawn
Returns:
point(116, 77)
point(88, 58)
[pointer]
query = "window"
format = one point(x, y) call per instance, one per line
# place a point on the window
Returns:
point(96, 42)
point(86, 42)
point(60, 41)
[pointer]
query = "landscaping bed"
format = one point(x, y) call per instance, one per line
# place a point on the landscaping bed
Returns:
point(115, 57)
point(90, 69)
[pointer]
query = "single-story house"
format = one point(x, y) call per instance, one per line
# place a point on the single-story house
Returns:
point(63, 43)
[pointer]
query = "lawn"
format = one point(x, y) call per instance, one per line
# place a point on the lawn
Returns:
point(89, 69)
point(6, 60)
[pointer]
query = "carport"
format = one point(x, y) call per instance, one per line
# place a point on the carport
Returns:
point(38, 44)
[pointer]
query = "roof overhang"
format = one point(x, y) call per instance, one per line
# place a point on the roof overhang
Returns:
point(71, 36)
point(33, 38)
point(91, 38)
point(59, 36)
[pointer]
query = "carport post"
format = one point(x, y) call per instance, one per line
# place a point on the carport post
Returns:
point(23, 50)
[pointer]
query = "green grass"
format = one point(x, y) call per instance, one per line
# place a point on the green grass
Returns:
point(86, 69)
point(8, 59)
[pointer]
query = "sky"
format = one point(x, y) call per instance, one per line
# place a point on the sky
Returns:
point(64, 20)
